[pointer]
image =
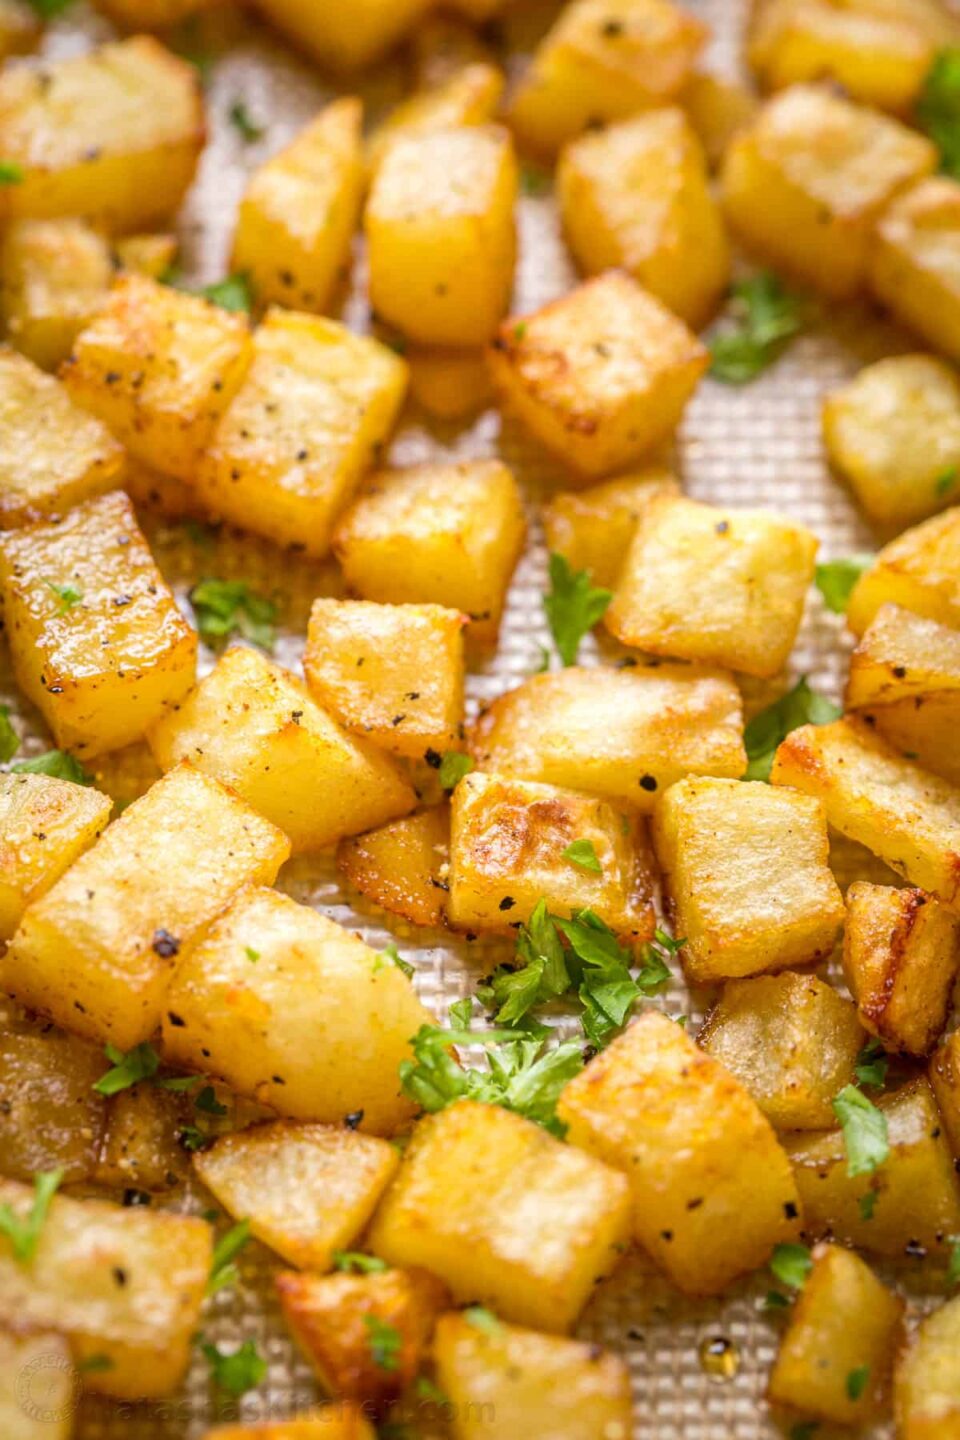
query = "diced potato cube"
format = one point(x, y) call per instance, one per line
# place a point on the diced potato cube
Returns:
point(50, 1116)
point(709, 1201)
point(926, 1381)
point(313, 414)
point(601, 375)
point(623, 734)
point(637, 196)
point(894, 433)
point(37, 1377)
point(725, 587)
point(911, 819)
point(902, 656)
point(508, 844)
point(45, 824)
point(503, 1382)
point(96, 638)
point(20, 28)
point(95, 952)
point(112, 136)
point(402, 866)
point(330, 1422)
point(142, 1147)
point(718, 108)
point(159, 367)
point(917, 1196)
point(293, 1011)
point(296, 220)
point(150, 255)
point(469, 96)
point(344, 38)
point(604, 60)
point(944, 1075)
point(919, 570)
point(125, 1284)
point(925, 730)
point(55, 273)
point(593, 528)
point(916, 253)
point(844, 1322)
point(52, 455)
point(365, 1336)
point(806, 184)
point(253, 726)
point(441, 534)
point(307, 1190)
point(791, 1040)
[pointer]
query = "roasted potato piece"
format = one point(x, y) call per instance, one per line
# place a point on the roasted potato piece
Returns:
point(913, 269)
point(449, 384)
point(925, 730)
point(126, 1284)
point(944, 1074)
point(55, 273)
point(344, 39)
point(926, 1381)
point(724, 587)
point(112, 136)
point(902, 656)
point(20, 28)
point(45, 824)
point(461, 1204)
point(330, 1422)
point(469, 96)
point(442, 534)
point(50, 1116)
point(637, 196)
point(293, 1011)
point(623, 734)
point(508, 850)
point(806, 184)
point(159, 367)
point(708, 1202)
point(402, 866)
point(150, 255)
point(601, 375)
point(503, 1382)
point(95, 952)
point(592, 529)
point(718, 108)
point(790, 1040)
point(142, 1147)
point(844, 1323)
point(37, 1378)
point(919, 570)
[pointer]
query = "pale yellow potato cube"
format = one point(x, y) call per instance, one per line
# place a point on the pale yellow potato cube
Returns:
point(637, 196)
point(919, 570)
point(441, 534)
point(96, 952)
point(475, 1185)
point(159, 367)
point(902, 656)
point(51, 1118)
point(504, 1382)
point(592, 529)
point(126, 1284)
point(893, 432)
point(296, 220)
point(843, 1322)
point(150, 255)
point(45, 824)
point(112, 136)
point(254, 726)
point(52, 454)
point(344, 37)
point(55, 273)
point(330, 1422)
point(307, 1190)
point(469, 96)
point(709, 1200)
point(791, 1040)
point(293, 1011)
point(96, 638)
point(624, 734)
point(601, 375)
point(724, 587)
point(601, 61)
point(926, 1379)
point(37, 1375)
point(806, 184)
point(314, 413)
point(915, 262)
point(20, 28)
point(402, 866)
point(718, 109)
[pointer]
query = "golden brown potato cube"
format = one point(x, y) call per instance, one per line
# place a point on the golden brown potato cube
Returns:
point(307, 1190)
point(790, 1040)
point(917, 1198)
point(55, 273)
point(20, 28)
point(96, 638)
point(461, 1206)
point(159, 367)
point(330, 1422)
point(96, 951)
point(806, 184)
point(893, 432)
point(944, 1075)
point(624, 734)
point(902, 656)
point(913, 269)
point(508, 850)
point(709, 1201)
point(342, 38)
point(637, 196)
point(919, 570)
point(112, 136)
point(142, 1146)
point(37, 1378)
point(718, 108)
point(365, 1336)
point(441, 534)
point(150, 255)
point(312, 416)
point(293, 1011)
point(592, 529)
point(468, 96)
point(725, 587)
point(45, 824)
point(254, 726)
point(926, 1379)
point(296, 220)
point(503, 1382)
point(52, 455)
point(601, 61)
point(911, 819)
point(600, 376)
point(51, 1118)
point(844, 1324)
point(402, 866)
point(901, 955)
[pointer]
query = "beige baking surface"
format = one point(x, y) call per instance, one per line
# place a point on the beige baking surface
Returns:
point(756, 445)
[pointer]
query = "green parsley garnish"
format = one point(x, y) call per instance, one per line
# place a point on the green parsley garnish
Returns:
point(805, 1430)
point(835, 580)
point(9, 739)
point(791, 1264)
point(49, 9)
point(453, 766)
point(572, 606)
point(390, 955)
point(946, 481)
point(482, 1319)
point(534, 182)
point(583, 853)
point(355, 1262)
point(23, 1231)
point(207, 1100)
point(426, 1390)
point(192, 1138)
point(776, 1300)
point(140, 1063)
point(766, 731)
point(766, 316)
point(857, 1381)
point(56, 763)
point(223, 1271)
point(938, 109)
point(10, 173)
point(68, 595)
point(95, 1364)
point(237, 1372)
point(953, 1268)
point(227, 607)
point(242, 122)
point(233, 294)
point(252, 955)
point(864, 1131)
point(872, 1064)
point(385, 1342)
point(867, 1204)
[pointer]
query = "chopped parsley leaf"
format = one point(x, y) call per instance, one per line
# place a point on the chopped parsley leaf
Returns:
point(953, 1268)
point(68, 595)
point(390, 955)
point(252, 955)
point(765, 316)
point(385, 1342)
point(864, 1131)
point(95, 1364)
point(857, 1381)
point(868, 1203)
point(791, 1264)
point(9, 739)
point(207, 1101)
point(23, 1231)
point(583, 853)
point(482, 1319)
point(835, 580)
point(140, 1063)
point(453, 766)
point(238, 1371)
point(945, 482)
point(766, 731)
point(243, 123)
point(938, 108)
point(572, 606)
point(355, 1262)
point(56, 763)
point(10, 173)
point(49, 9)
point(227, 607)
point(872, 1064)
point(232, 293)
point(223, 1272)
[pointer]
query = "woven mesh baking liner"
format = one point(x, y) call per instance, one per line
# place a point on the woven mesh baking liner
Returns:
point(758, 445)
